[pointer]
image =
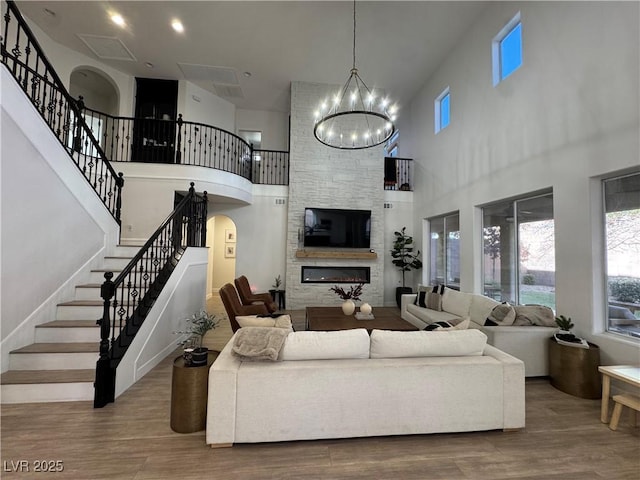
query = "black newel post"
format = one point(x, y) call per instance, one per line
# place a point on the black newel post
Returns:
point(191, 213)
point(105, 384)
point(179, 139)
point(119, 185)
point(203, 229)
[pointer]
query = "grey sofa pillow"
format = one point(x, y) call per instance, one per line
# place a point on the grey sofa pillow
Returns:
point(535, 315)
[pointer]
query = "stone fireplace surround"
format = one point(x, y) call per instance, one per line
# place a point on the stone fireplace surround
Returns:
point(325, 177)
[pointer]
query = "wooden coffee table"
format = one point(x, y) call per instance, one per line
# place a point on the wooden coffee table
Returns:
point(332, 318)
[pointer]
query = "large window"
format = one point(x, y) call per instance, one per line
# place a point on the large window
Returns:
point(507, 50)
point(444, 262)
point(519, 251)
point(622, 237)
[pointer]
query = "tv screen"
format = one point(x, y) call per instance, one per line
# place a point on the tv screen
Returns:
point(328, 227)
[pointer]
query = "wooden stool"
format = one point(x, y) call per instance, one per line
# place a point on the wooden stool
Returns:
point(626, 400)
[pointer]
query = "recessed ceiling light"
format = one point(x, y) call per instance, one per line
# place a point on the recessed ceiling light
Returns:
point(177, 25)
point(117, 19)
point(247, 74)
point(148, 64)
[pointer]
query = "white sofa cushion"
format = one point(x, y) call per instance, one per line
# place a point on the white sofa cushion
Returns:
point(445, 343)
point(307, 345)
point(456, 302)
point(430, 316)
point(282, 321)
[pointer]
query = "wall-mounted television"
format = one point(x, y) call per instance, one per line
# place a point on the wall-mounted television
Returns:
point(337, 228)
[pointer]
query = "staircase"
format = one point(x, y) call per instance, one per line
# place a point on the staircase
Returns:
point(61, 364)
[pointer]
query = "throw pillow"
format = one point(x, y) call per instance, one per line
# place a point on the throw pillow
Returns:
point(535, 315)
point(434, 301)
point(420, 299)
point(501, 315)
point(282, 321)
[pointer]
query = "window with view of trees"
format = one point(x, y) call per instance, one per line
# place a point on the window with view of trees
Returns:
point(519, 251)
point(444, 234)
point(622, 237)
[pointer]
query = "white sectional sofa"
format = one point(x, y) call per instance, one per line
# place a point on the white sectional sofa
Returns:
point(529, 343)
point(346, 384)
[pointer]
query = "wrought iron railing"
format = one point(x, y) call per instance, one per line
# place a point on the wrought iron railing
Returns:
point(26, 61)
point(270, 167)
point(397, 173)
point(188, 143)
point(129, 298)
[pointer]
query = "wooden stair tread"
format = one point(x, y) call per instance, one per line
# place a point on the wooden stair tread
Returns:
point(75, 347)
point(69, 324)
point(17, 377)
point(83, 303)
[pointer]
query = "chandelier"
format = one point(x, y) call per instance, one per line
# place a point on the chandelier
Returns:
point(355, 117)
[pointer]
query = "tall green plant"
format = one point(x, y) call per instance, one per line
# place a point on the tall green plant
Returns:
point(402, 253)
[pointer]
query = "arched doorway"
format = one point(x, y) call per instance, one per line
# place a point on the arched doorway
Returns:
point(98, 91)
point(221, 240)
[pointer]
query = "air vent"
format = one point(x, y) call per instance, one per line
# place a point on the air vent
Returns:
point(108, 48)
point(228, 91)
point(222, 75)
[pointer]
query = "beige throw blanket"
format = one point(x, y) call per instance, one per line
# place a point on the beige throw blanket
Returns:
point(259, 343)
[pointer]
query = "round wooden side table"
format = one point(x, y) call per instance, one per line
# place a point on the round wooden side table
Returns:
point(189, 391)
point(574, 370)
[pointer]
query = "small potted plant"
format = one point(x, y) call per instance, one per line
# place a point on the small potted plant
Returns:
point(197, 325)
point(564, 324)
point(349, 296)
point(276, 283)
point(564, 335)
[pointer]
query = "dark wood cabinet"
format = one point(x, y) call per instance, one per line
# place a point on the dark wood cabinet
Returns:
point(154, 130)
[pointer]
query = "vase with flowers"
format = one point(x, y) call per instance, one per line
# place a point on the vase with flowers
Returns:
point(349, 297)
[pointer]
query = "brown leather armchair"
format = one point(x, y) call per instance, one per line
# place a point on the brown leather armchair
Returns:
point(232, 305)
point(247, 297)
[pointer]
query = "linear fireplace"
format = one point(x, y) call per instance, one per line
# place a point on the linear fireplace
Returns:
point(336, 274)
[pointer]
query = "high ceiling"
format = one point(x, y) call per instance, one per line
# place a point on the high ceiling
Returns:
point(398, 44)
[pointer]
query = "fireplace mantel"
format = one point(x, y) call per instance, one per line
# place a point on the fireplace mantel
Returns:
point(335, 254)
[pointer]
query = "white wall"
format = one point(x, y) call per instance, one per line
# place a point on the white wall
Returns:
point(222, 269)
point(398, 214)
point(46, 202)
point(148, 193)
point(568, 116)
point(261, 232)
point(273, 125)
point(66, 61)
point(200, 106)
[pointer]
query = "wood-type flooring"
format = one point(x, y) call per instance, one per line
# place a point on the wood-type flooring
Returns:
point(132, 439)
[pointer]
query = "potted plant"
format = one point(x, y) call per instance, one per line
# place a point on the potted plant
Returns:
point(564, 324)
point(277, 282)
point(404, 259)
point(564, 335)
point(197, 325)
point(349, 296)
